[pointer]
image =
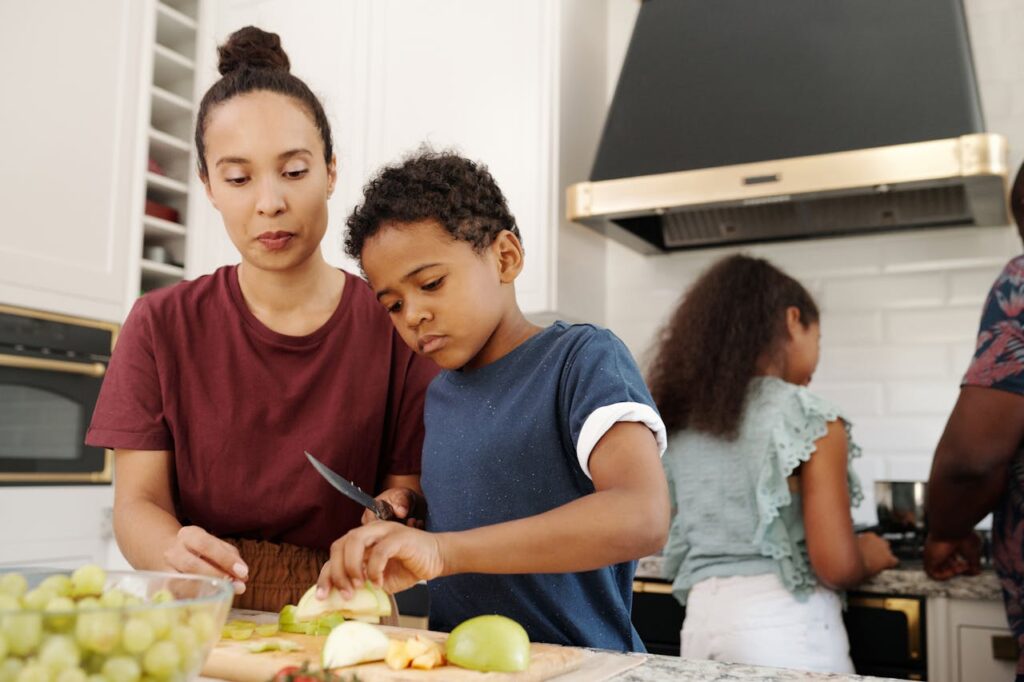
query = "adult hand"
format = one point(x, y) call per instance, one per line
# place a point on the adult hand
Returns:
point(875, 553)
point(392, 556)
point(196, 551)
point(944, 559)
point(409, 506)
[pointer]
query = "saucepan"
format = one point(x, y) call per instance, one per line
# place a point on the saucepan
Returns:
point(900, 506)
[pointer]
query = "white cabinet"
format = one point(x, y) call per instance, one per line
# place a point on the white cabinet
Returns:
point(517, 84)
point(969, 641)
point(60, 526)
point(67, 127)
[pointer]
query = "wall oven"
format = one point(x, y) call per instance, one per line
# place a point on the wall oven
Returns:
point(51, 369)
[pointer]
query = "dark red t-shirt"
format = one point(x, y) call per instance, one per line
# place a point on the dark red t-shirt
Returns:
point(196, 373)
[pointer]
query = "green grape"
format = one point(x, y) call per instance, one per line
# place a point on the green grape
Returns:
point(122, 669)
point(96, 677)
point(34, 672)
point(88, 581)
point(137, 636)
point(59, 652)
point(23, 631)
point(88, 604)
point(70, 675)
point(161, 596)
point(37, 599)
point(203, 624)
point(9, 603)
point(59, 584)
point(162, 660)
point(64, 614)
point(160, 621)
point(13, 584)
point(131, 600)
point(188, 645)
point(113, 598)
point(98, 631)
point(3, 647)
point(10, 668)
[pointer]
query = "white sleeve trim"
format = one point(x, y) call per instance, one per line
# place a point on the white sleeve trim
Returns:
point(605, 417)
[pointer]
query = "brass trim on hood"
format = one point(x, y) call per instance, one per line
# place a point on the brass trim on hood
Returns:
point(980, 155)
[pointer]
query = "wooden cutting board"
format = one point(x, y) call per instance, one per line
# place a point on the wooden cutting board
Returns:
point(231, 660)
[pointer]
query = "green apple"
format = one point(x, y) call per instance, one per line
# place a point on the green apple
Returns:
point(368, 601)
point(352, 643)
point(489, 643)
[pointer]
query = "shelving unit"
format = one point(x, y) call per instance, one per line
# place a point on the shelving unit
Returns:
point(170, 155)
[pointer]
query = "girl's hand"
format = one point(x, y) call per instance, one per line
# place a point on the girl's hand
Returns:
point(875, 553)
point(409, 506)
point(392, 556)
point(196, 551)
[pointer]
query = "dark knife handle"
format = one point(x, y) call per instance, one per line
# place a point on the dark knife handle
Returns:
point(385, 512)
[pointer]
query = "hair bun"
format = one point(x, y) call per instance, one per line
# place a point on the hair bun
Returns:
point(252, 48)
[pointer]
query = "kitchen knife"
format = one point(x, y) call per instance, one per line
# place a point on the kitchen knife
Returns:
point(381, 509)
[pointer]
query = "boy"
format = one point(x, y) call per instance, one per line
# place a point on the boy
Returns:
point(541, 462)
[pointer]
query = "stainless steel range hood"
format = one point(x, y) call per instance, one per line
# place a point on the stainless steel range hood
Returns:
point(738, 121)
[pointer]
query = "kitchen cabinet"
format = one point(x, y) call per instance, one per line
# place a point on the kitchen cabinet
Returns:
point(93, 129)
point(969, 641)
point(517, 84)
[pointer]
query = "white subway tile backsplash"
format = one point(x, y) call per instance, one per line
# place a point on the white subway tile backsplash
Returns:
point(851, 329)
point(951, 249)
point(884, 291)
point(952, 324)
point(902, 468)
point(897, 434)
point(970, 287)
point(921, 397)
point(882, 362)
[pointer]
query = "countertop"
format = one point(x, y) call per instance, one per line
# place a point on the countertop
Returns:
point(903, 580)
point(672, 669)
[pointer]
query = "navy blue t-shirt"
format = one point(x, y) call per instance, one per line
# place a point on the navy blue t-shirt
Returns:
point(512, 440)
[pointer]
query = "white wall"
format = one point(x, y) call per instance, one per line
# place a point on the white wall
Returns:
point(899, 311)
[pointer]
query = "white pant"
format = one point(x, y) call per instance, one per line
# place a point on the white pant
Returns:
point(756, 621)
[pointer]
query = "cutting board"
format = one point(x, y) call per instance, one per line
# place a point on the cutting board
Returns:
point(231, 660)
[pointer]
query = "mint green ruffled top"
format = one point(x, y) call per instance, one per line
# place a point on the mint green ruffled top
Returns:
point(734, 511)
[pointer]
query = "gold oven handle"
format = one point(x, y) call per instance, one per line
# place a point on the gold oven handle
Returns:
point(89, 369)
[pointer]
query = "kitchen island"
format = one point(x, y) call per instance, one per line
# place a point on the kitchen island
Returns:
point(673, 669)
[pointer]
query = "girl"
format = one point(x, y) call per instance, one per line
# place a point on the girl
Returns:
point(217, 385)
point(758, 468)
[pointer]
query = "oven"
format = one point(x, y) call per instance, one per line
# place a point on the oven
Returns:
point(51, 369)
point(887, 635)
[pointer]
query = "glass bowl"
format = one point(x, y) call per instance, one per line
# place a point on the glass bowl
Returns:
point(138, 627)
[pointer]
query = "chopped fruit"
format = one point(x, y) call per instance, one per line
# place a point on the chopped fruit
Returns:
point(417, 652)
point(272, 645)
point(352, 643)
point(368, 601)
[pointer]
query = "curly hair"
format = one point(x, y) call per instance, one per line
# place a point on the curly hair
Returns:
point(253, 60)
point(459, 194)
point(708, 351)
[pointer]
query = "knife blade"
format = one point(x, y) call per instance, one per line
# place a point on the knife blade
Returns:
point(380, 508)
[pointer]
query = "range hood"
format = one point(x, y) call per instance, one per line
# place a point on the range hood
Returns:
point(738, 121)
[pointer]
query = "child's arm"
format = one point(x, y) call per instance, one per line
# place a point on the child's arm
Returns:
point(840, 558)
point(625, 518)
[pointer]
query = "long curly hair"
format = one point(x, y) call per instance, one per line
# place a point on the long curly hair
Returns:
point(708, 352)
point(458, 193)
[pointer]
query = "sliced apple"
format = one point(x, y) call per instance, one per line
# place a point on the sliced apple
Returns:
point(352, 643)
point(367, 602)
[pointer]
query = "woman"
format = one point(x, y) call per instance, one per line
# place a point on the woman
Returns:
point(218, 385)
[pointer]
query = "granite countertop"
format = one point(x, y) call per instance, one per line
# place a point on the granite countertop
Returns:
point(912, 580)
point(672, 669)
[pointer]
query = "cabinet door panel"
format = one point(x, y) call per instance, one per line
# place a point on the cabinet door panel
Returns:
point(977, 661)
point(68, 126)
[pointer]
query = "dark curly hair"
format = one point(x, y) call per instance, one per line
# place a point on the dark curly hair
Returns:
point(708, 351)
point(459, 194)
point(251, 60)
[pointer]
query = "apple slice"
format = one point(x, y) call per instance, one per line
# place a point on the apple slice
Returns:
point(367, 602)
point(352, 643)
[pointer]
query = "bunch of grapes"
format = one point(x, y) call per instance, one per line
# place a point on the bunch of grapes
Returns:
point(73, 628)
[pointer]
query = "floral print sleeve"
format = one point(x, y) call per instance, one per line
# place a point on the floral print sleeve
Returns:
point(999, 363)
point(999, 357)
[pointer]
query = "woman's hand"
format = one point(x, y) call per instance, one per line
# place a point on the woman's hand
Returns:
point(943, 560)
point(408, 505)
point(196, 551)
point(875, 553)
point(392, 556)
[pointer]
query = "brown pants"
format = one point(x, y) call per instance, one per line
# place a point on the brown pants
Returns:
point(278, 573)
